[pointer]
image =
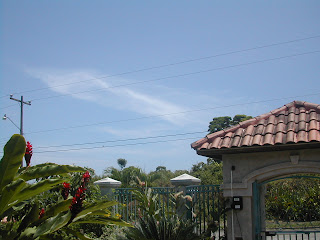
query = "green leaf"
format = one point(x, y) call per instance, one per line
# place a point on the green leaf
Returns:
point(14, 151)
point(8, 194)
point(76, 234)
point(94, 207)
point(53, 224)
point(45, 170)
point(103, 220)
point(31, 217)
point(55, 209)
point(35, 189)
point(27, 234)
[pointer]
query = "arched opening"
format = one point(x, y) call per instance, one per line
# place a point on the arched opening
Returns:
point(288, 207)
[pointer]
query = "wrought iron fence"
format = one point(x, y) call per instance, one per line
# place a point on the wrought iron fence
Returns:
point(206, 208)
point(127, 206)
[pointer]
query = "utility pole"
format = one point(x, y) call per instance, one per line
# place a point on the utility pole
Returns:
point(21, 114)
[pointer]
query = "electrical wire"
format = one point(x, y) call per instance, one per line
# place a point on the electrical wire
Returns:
point(174, 63)
point(8, 106)
point(170, 114)
point(120, 145)
point(180, 75)
point(122, 140)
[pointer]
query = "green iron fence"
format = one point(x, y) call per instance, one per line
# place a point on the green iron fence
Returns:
point(127, 206)
point(206, 208)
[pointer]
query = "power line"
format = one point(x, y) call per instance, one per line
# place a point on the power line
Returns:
point(122, 140)
point(161, 136)
point(182, 75)
point(13, 105)
point(120, 145)
point(176, 63)
point(170, 114)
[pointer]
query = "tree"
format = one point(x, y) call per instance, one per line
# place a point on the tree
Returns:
point(210, 173)
point(127, 176)
point(122, 163)
point(220, 123)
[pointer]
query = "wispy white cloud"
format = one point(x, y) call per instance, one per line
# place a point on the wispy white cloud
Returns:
point(101, 92)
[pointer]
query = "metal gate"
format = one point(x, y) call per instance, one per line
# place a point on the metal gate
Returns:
point(286, 227)
point(207, 210)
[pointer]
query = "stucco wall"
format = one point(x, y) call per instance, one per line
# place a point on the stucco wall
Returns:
point(262, 166)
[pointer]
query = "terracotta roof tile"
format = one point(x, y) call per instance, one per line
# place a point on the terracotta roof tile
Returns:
point(295, 122)
point(279, 137)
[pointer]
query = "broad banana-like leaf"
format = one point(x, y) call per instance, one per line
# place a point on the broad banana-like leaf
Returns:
point(14, 151)
point(45, 170)
point(31, 217)
point(53, 224)
point(8, 193)
point(34, 189)
point(103, 220)
point(41, 164)
point(94, 207)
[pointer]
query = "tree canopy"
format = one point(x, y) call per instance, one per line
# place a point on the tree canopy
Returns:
point(220, 123)
point(122, 163)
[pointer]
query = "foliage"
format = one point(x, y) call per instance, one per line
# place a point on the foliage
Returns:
point(296, 199)
point(210, 173)
point(126, 176)
point(122, 163)
point(220, 123)
point(156, 222)
point(18, 189)
point(168, 227)
point(161, 177)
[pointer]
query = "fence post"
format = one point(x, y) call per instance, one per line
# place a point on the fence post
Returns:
point(180, 183)
point(107, 185)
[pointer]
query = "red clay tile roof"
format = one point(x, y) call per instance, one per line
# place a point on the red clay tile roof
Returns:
point(295, 122)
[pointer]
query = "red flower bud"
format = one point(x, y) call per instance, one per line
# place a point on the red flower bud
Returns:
point(65, 190)
point(28, 153)
point(42, 211)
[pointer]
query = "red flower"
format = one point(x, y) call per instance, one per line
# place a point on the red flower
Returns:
point(29, 148)
point(28, 154)
point(86, 177)
point(76, 204)
point(42, 211)
point(65, 190)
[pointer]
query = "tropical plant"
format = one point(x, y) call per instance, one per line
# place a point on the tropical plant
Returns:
point(156, 220)
point(166, 228)
point(18, 189)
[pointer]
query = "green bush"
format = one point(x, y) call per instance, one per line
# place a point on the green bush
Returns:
point(296, 199)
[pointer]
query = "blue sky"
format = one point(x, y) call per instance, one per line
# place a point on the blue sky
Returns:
point(172, 67)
